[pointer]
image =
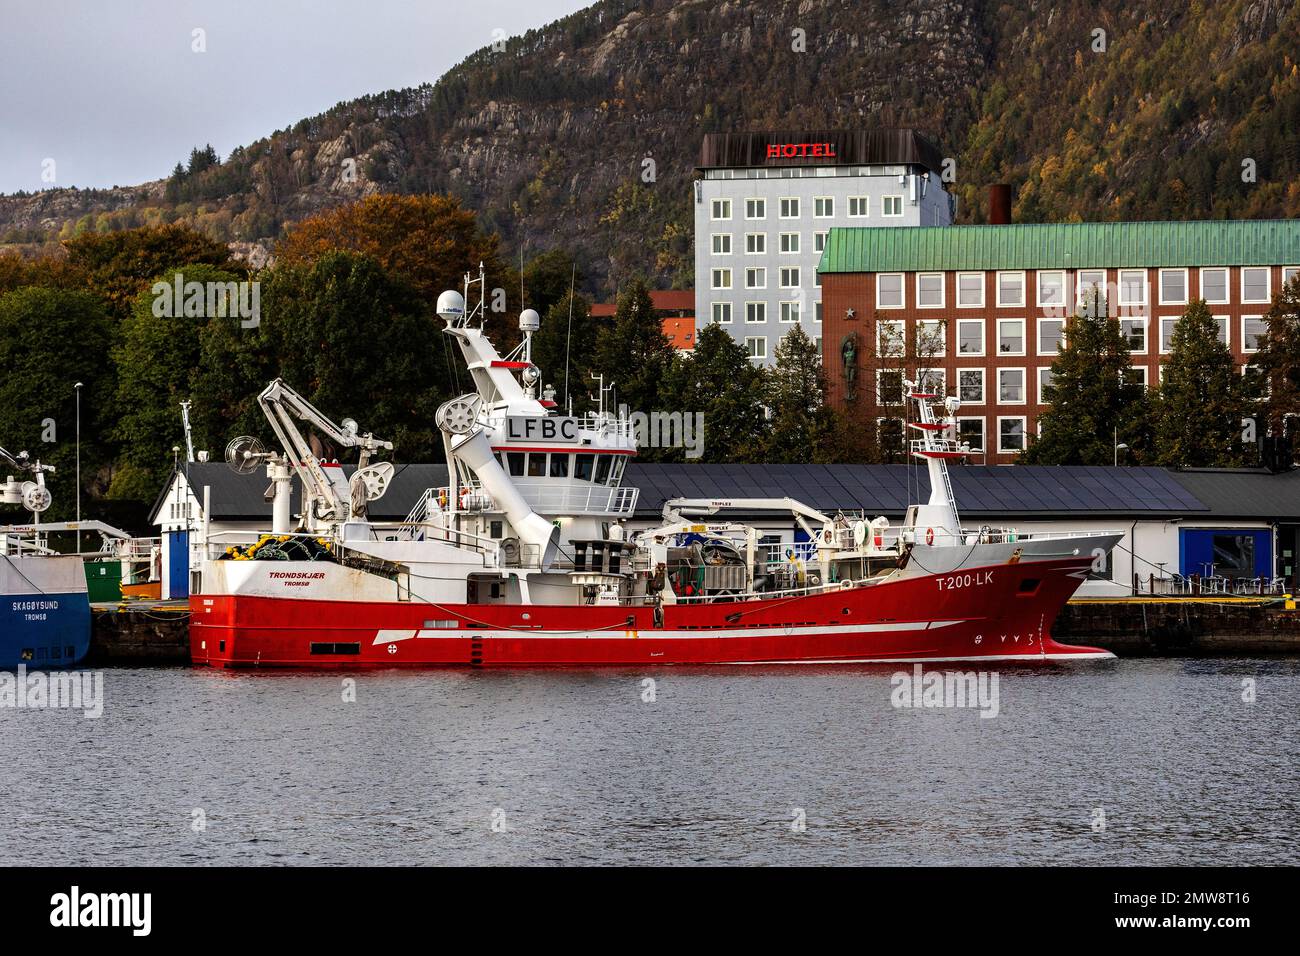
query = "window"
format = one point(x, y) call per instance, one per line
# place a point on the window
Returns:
point(970, 385)
point(819, 241)
point(889, 290)
point(931, 342)
point(789, 277)
point(1214, 286)
point(1289, 273)
point(1011, 434)
point(889, 386)
point(970, 336)
point(823, 207)
point(1011, 289)
point(889, 338)
point(1173, 286)
point(757, 347)
point(970, 290)
point(755, 277)
point(559, 466)
point(1167, 323)
point(1132, 287)
point(720, 209)
point(1253, 328)
point(789, 242)
point(891, 206)
point(970, 432)
point(1134, 331)
point(755, 312)
point(722, 243)
point(721, 313)
point(1136, 375)
point(859, 207)
point(721, 278)
point(790, 208)
point(1011, 386)
point(515, 459)
point(932, 381)
point(1011, 336)
point(1254, 285)
point(891, 433)
point(1225, 323)
point(1051, 336)
point(1051, 289)
point(929, 290)
point(755, 243)
point(1045, 377)
point(755, 208)
point(537, 465)
point(584, 467)
point(789, 311)
point(817, 313)
point(1090, 282)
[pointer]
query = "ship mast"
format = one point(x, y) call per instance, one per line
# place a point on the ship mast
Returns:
point(939, 514)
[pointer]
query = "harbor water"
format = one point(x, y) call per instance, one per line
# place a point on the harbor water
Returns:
point(1143, 761)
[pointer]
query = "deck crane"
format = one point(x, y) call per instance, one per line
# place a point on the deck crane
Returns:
point(32, 493)
point(333, 499)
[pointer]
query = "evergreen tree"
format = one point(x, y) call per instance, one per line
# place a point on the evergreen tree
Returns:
point(572, 336)
point(803, 428)
point(719, 381)
point(1278, 358)
point(634, 354)
point(1200, 401)
point(1093, 398)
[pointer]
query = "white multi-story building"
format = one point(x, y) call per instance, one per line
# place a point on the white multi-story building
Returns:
point(765, 202)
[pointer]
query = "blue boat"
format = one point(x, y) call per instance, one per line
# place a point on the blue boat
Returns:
point(44, 604)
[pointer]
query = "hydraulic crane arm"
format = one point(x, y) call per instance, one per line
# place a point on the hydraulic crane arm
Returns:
point(283, 408)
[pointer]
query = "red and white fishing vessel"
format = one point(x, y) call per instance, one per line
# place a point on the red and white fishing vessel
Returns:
point(524, 559)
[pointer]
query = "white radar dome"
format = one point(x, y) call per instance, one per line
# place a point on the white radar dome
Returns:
point(451, 305)
point(529, 320)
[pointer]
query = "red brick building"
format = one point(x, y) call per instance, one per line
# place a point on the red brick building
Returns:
point(982, 309)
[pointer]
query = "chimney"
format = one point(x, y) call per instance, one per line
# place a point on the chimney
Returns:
point(1000, 204)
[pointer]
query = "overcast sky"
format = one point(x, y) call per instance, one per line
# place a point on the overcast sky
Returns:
point(113, 92)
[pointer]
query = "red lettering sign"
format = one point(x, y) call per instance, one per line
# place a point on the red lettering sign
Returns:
point(800, 150)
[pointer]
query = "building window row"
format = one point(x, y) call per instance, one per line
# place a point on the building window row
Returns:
point(1052, 287)
point(791, 207)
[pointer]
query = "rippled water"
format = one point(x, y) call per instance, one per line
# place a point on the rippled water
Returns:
point(580, 769)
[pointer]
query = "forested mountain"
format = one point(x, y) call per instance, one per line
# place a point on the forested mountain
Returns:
point(1120, 109)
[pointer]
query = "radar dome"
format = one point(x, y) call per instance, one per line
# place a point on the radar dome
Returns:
point(529, 320)
point(451, 305)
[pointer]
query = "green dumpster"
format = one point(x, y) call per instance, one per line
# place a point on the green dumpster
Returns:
point(104, 580)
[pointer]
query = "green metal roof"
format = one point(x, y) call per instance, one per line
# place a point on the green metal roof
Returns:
point(1075, 245)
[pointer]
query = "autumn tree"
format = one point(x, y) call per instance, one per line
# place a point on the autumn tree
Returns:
point(1201, 398)
point(718, 381)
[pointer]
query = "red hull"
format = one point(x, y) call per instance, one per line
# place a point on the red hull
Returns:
point(1002, 612)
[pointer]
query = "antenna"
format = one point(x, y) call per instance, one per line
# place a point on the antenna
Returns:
point(568, 333)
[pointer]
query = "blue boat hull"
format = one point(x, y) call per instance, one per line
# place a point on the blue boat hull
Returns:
point(44, 612)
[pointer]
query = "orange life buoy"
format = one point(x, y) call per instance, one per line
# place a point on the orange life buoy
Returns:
point(929, 536)
point(826, 535)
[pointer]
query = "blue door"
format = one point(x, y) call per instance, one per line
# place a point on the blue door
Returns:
point(178, 564)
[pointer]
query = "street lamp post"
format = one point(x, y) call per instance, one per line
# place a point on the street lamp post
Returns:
point(1119, 446)
point(77, 388)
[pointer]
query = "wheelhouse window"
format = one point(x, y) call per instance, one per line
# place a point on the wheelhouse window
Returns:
point(516, 461)
point(559, 465)
point(584, 467)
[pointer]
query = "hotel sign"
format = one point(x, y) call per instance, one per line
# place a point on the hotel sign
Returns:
point(800, 150)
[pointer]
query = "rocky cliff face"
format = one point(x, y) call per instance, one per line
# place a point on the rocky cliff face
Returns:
point(584, 135)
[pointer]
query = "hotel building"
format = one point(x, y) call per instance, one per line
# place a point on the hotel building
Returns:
point(980, 311)
point(765, 203)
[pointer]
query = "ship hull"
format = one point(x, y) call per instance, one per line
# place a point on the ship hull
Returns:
point(44, 612)
point(1000, 612)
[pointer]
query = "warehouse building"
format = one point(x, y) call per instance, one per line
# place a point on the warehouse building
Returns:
point(980, 311)
point(765, 203)
point(1238, 525)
